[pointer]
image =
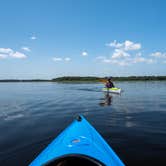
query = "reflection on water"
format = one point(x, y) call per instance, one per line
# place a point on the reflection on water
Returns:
point(107, 100)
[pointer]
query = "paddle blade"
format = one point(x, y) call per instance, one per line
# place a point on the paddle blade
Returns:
point(103, 81)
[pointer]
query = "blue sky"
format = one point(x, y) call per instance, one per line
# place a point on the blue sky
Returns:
point(52, 38)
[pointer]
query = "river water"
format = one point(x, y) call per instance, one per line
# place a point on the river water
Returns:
point(133, 123)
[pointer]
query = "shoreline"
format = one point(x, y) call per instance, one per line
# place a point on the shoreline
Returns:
point(71, 79)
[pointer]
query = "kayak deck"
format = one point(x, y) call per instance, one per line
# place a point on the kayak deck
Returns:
point(80, 141)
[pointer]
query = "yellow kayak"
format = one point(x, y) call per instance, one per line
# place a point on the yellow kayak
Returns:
point(112, 90)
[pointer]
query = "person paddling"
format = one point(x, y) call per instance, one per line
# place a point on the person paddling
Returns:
point(109, 83)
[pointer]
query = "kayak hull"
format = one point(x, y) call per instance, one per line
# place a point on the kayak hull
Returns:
point(79, 138)
point(112, 90)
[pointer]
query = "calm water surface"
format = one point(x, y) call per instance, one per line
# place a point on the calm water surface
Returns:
point(133, 123)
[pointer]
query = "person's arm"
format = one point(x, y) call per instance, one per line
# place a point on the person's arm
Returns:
point(107, 84)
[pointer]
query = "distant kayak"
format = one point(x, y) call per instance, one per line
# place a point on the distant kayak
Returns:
point(78, 145)
point(112, 90)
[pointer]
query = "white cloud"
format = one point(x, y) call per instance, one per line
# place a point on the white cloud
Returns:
point(128, 53)
point(107, 60)
point(114, 44)
point(18, 55)
point(26, 49)
point(103, 59)
point(142, 59)
point(118, 53)
point(8, 52)
point(159, 55)
point(125, 61)
point(57, 59)
point(67, 59)
point(84, 53)
point(121, 50)
point(33, 37)
point(129, 45)
point(126, 45)
point(117, 62)
point(3, 56)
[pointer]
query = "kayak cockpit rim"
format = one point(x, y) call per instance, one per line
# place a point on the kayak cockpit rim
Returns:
point(74, 160)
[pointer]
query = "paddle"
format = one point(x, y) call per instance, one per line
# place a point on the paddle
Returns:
point(103, 81)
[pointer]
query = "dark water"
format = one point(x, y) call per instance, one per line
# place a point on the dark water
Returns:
point(133, 123)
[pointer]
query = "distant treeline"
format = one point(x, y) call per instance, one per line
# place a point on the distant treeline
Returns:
point(140, 78)
point(99, 79)
point(17, 80)
point(91, 79)
point(76, 78)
